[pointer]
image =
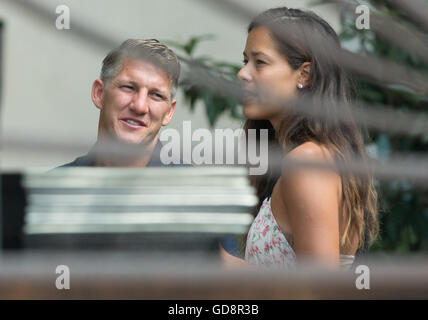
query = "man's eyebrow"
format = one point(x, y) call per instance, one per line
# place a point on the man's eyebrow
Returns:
point(151, 88)
point(126, 80)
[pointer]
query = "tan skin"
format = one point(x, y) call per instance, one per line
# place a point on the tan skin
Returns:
point(140, 92)
point(305, 201)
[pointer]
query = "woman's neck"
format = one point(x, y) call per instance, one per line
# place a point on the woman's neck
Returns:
point(276, 123)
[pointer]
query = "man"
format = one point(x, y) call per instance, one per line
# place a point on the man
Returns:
point(136, 97)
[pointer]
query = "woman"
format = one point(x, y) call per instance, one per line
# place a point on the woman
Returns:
point(304, 212)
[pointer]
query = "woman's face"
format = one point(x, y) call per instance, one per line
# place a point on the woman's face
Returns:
point(265, 76)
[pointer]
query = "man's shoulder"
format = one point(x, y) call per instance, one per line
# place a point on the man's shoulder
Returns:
point(83, 161)
point(87, 160)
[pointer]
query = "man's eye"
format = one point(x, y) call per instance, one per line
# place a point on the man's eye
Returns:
point(260, 62)
point(128, 87)
point(158, 96)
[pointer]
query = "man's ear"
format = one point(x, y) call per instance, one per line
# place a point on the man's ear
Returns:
point(97, 93)
point(170, 113)
point(304, 73)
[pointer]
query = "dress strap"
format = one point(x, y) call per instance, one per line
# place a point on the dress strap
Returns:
point(270, 191)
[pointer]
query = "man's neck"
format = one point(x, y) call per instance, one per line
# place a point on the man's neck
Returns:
point(114, 154)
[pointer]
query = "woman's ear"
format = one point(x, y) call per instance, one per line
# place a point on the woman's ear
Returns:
point(97, 93)
point(304, 74)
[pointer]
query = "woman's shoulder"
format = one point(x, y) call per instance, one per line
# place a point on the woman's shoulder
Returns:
point(306, 183)
point(311, 151)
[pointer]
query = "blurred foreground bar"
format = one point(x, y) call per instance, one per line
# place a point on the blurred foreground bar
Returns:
point(148, 210)
point(153, 234)
point(135, 276)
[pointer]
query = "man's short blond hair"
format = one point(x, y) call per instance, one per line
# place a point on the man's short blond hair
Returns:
point(150, 50)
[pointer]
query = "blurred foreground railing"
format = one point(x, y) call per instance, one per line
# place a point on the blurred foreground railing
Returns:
point(155, 209)
point(154, 234)
point(132, 276)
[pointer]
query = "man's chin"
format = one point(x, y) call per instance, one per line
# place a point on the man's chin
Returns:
point(131, 141)
point(122, 138)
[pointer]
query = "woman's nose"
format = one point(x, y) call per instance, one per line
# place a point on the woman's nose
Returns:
point(244, 74)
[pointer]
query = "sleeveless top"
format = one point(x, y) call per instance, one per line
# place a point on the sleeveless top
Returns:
point(268, 247)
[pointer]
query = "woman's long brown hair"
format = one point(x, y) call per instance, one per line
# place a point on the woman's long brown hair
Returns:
point(328, 85)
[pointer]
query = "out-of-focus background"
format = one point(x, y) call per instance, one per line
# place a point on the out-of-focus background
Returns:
point(47, 76)
point(48, 73)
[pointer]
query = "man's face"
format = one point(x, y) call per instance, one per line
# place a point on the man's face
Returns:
point(135, 104)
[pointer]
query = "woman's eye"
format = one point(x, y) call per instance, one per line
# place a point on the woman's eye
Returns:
point(260, 62)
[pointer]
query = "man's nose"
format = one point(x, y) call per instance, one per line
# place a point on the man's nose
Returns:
point(140, 102)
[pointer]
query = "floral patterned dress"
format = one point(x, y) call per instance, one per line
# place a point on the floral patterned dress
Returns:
point(268, 247)
point(266, 243)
